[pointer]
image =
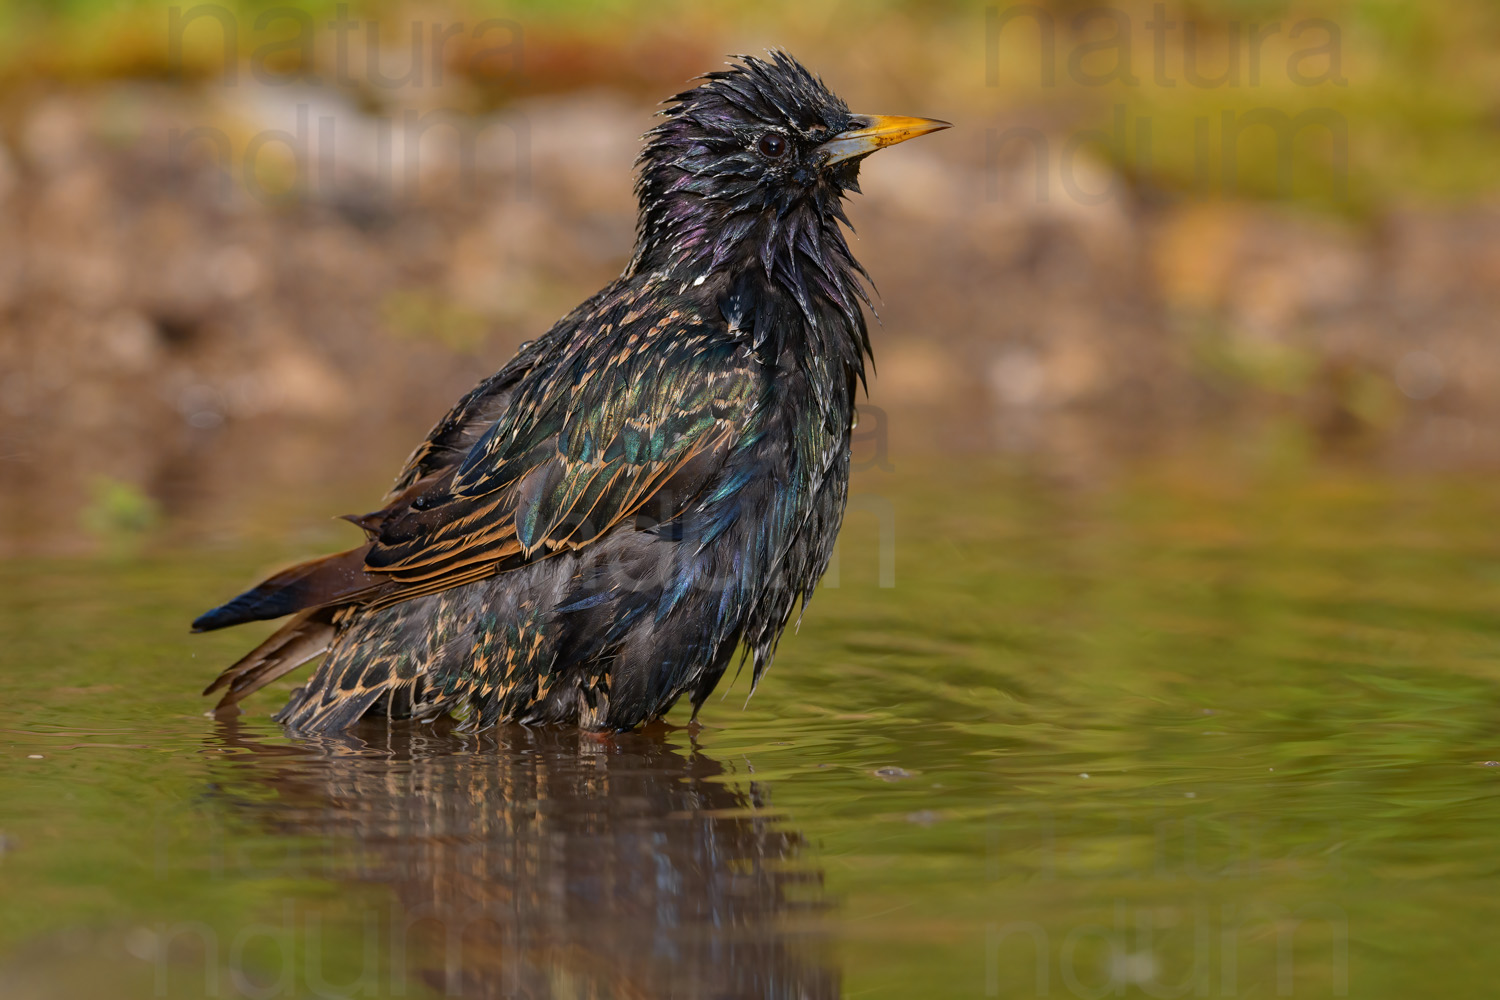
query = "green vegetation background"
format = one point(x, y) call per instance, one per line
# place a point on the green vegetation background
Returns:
point(1420, 81)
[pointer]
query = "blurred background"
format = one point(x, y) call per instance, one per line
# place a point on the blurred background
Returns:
point(247, 249)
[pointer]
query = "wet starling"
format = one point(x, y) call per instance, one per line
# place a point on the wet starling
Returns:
point(594, 530)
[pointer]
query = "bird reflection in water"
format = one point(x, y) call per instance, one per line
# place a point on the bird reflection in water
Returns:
point(534, 863)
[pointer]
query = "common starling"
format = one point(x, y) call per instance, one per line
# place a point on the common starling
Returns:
point(655, 483)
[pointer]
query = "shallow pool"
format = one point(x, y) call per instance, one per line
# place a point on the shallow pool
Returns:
point(1175, 734)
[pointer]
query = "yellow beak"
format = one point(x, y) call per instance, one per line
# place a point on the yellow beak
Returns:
point(871, 132)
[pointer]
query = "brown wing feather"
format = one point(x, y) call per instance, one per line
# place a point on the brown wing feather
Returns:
point(299, 640)
point(468, 538)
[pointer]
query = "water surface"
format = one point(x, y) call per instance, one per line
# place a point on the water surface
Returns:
point(1226, 734)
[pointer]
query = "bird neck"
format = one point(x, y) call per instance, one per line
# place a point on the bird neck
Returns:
point(759, 263)
point(813, 336)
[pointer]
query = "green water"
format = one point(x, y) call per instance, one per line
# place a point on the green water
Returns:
point(1161, 735)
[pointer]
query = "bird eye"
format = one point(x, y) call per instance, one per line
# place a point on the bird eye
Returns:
point(772, 145)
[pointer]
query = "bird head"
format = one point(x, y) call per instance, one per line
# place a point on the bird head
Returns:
point(752, 165)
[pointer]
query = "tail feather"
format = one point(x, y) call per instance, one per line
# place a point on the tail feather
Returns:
point(299, 640)
point(337, 578)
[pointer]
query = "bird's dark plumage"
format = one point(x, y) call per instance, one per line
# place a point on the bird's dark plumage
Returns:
point(656, 482)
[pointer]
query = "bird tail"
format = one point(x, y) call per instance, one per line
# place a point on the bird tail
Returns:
point(299, 640)
point(335, 579)
point(314, 591)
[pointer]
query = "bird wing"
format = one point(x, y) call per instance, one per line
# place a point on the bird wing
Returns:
point(632, 425)
point(341, 578)
point(452, 437)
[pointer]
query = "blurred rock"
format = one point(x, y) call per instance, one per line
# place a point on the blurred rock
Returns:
point(7, 173)
point(211, 345)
